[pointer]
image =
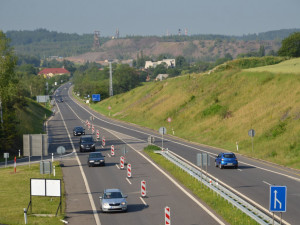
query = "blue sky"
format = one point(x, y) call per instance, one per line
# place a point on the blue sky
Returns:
point(151, 17)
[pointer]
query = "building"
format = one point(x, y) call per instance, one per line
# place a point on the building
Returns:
point(50, 72)
point(161, 77)
point(168, 62)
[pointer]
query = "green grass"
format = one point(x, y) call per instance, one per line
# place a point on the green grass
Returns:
point(231, 214)
point(15, 195)
point(219, 109)
point(289, 66)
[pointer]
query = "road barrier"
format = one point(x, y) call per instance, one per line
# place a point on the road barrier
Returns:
point(97, 134)
point(258, 215)
point(167, 216)
point(112, 150)
point(128, 170)
point(122, 160)
point(103, 141)
point(143, 188)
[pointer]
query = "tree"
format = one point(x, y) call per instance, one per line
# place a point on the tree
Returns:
point(125, 78)
point(290, 46)
point(8, 95)
point(180, 61)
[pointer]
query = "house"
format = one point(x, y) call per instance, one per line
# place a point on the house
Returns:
point(161, 77)
point(50, 72)
point(168, 62)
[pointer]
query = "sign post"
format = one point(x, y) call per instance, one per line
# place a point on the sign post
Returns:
point(278, 200)
point(162, 131)
point(251, 133)
point(6, 156)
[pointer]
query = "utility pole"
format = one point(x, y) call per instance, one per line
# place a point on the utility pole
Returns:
point(111, 93)
point(1, 111)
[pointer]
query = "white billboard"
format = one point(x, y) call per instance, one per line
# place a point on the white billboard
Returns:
point(45, 187)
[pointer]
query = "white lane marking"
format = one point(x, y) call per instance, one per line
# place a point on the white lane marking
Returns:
point(266, 183)
point(179, 143)
point(95, 213)
point(117, 166)
point(143, 201)
point(128, 180)
point(240, 170)
point(108, 155)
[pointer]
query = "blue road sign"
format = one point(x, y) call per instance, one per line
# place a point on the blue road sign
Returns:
point(277, 198)
point(96, 97)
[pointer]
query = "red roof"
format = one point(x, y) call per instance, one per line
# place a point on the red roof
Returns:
point(54, 71)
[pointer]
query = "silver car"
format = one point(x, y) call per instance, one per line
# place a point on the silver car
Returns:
point(113, 200)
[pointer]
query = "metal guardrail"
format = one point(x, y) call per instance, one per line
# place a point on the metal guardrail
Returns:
point(231, 197)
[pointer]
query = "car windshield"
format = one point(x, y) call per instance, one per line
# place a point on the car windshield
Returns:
point(96, 155)
point(78, 128)
point(229, 156)
point(109, 195)
point(84, 140)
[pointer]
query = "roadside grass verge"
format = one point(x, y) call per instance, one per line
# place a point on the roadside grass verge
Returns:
point(231, 214)
point(15, 196)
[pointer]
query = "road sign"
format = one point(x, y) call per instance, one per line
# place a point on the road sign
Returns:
point(203, 159)
point(60, 150)
point(251, 133)
point(162, 130)
point(96, 97)
point(169, 119)
point(277, 198)
point(6, 155)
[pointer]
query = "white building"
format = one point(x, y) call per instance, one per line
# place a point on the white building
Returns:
point(168, 62)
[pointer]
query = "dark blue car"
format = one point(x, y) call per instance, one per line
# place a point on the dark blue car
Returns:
point(226, 159)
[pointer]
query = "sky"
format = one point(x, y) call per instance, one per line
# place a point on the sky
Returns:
point(150, 17)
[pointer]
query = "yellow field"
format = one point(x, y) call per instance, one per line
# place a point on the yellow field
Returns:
point(289, 66)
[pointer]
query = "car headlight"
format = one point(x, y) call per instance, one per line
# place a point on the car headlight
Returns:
point(102, 160)
point(105, 205)
point(91, 161)
point(82, 146)
point(123, 203)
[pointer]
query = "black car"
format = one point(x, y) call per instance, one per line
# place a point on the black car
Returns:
point(77, 131)
point(86, 144)
point(96, 159)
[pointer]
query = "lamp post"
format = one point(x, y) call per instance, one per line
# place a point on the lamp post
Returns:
point(110, 79)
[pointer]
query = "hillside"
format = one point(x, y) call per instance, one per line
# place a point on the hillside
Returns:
point(219, 109)
point(43, 43)
point(206, 50)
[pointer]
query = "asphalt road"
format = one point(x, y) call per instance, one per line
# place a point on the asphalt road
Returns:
point(252, 179)
point(83, 194)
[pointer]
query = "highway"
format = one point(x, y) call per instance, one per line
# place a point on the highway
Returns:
point(252, 179)
point(83, 204)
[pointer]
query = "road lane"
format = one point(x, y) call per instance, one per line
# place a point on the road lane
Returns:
point(161, 190)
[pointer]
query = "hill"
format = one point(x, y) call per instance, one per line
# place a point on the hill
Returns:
point(44, 43)
point(218, 110)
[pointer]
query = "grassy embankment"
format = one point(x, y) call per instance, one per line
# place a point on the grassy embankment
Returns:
point(15, 195)
point(30, 120)
point(15, 188)
point(218, 109)
point(231, 214)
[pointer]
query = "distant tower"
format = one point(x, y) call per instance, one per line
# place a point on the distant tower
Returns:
point(117, 33)
point(179, 32)
point(96, 40)
point(185, 32)
point(168, 33)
